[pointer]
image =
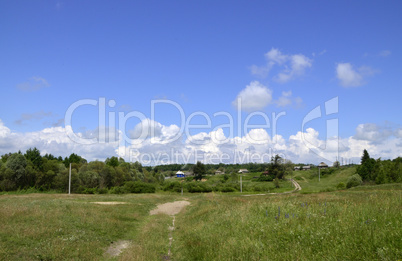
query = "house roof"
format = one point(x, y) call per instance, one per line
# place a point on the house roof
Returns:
point(180, 172)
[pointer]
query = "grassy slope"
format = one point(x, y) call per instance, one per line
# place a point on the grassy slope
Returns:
point(346, 225)
point(308, 180)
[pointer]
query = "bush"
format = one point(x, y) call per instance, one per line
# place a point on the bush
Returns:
point(102, 190)
point(226, 188)
point(90, 191)
point(174, 186)
point(117, 190)
point(198, 187)
point(265, 178)
point(139, 187)
point(354, 181)
point(341, 186)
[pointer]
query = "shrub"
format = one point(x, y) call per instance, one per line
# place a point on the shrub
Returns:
point(117, 190)
point(276, 183)
point(354, 181)
point(102, 190)
point(226, 188)
point(139, 187)
point(90, 191)
point(341, 186)
point(198, 187)
point(174, 186)
point(265, 178)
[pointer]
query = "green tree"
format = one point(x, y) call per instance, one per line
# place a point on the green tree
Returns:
point(107, 174)
point(34, 156)
point(277, 167)
point(199, 170)
point(336, 164)
point(366, 168)
point(74, 158)
point(17, 163)
point(113, 161)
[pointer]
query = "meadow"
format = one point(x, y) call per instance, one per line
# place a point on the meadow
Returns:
point(361, 223)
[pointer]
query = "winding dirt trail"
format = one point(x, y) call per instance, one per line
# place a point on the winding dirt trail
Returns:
point(171, 209)
point(294, 182)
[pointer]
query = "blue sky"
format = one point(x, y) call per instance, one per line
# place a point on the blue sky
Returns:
point(278, 56)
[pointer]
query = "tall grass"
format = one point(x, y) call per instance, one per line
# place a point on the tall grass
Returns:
point(352, 225)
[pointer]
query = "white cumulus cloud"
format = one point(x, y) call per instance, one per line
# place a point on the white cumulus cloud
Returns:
point(254, 97)
point(290, 66)
point(351, 77)
point(257, 145)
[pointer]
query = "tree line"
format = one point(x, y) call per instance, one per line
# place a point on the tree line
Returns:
point(378, 170)
point(31, 170)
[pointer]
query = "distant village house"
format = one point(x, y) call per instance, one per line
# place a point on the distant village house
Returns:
point(180, 174)
point(322, 165)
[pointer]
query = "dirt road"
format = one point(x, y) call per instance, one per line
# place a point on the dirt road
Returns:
point(294, 182)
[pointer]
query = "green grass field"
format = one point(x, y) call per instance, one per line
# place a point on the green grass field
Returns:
point(362, 223)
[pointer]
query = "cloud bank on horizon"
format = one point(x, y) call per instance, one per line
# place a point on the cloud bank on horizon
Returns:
point(210, 147)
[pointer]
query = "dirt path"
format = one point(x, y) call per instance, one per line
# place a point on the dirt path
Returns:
point(170, 209)
point(294, 182)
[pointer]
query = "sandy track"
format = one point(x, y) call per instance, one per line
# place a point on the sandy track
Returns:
point(171, 208)
point(294, 182)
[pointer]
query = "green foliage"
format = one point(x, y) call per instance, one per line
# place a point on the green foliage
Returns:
point(336, 164)
point(174, 186)
point(113, 161)
point(139, 187)
point(188, 179)
point(34, 156)
point(366, 168)
point(354, 181)
point(195, 187)
point(341, 185)
point(199, 170)
point(265, 178)
point(276, 183)
point(380, 171)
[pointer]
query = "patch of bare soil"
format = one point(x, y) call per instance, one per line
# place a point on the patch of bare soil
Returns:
point(110, 203)
point(117, 247)
point(171, 208)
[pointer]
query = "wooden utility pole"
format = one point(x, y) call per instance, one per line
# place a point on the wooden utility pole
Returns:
point(69, 181)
